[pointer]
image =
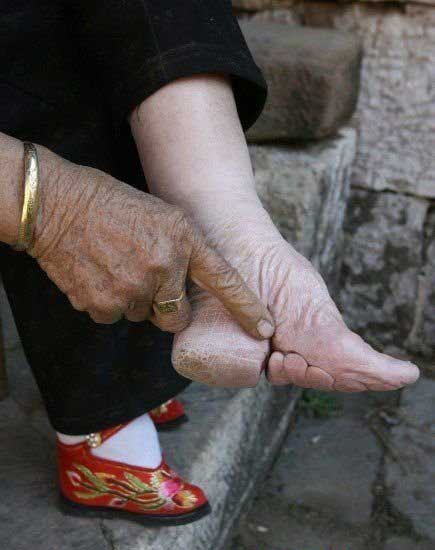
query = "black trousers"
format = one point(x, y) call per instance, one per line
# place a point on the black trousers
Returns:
point(90, 376)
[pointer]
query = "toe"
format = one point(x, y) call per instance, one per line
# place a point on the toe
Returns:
point(318, 379)
point(371, 369)
point(296, 369)
point(286, 369)
point(392, 373)
point(275, 372)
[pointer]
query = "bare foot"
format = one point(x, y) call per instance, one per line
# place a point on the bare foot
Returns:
point(311, 347)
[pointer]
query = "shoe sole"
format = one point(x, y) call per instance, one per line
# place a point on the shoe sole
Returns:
point(71, 508)
point(172, 424)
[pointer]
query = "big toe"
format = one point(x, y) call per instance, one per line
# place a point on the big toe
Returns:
point(359, 363)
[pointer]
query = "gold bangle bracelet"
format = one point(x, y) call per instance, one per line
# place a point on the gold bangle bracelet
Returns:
point(31, 197)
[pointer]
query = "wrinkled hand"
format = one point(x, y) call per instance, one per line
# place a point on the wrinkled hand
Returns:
point(116, 251)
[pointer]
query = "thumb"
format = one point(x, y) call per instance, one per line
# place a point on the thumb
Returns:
point(214, 274)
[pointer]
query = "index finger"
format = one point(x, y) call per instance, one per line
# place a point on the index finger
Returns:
point(210, 271)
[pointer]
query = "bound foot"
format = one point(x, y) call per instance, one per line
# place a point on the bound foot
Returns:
point(312, 347)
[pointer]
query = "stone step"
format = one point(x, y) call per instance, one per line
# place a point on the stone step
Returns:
point(256, 5)
point(233, 435)
point(313, 78)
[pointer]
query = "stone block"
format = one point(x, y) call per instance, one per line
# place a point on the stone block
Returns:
point(382, 261)
point(288, 16)
point(255, 5)
point(313, 78)
point(305, 189)
point(410, 479)
point(396, 108)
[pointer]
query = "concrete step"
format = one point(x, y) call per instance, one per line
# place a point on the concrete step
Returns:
point(232, 437)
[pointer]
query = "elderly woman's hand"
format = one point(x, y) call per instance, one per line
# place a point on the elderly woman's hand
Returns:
point(116, 251)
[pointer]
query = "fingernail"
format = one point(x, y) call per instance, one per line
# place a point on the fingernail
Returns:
point(265, 329)
point(416, 372)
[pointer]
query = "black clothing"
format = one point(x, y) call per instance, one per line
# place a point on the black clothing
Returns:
point(70, 72)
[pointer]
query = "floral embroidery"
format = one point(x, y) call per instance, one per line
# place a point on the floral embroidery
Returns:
point(164, 488)
point(74, 477)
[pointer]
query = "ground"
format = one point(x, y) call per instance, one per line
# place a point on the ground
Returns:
point(356, 472)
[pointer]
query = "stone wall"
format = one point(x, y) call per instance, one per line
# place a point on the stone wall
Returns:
point(388, 278)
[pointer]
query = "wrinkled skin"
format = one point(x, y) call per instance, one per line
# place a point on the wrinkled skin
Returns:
point(114, 250)
point(312, 347)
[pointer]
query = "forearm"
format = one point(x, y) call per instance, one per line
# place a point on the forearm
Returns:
point(11, 187)
point(194, 153)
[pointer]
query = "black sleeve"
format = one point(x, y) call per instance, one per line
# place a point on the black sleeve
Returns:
point(134, 47)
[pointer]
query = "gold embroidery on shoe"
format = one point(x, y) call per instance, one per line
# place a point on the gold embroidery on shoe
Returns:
point(165, 488)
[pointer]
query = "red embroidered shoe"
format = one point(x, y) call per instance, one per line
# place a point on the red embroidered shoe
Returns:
point(95, 487)
point(168, 416)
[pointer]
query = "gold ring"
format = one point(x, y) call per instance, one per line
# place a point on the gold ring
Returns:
point(170, 306)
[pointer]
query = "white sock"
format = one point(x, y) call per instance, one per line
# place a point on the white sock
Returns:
point(136, 444)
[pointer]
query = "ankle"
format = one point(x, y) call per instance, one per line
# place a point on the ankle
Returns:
point(70, 439)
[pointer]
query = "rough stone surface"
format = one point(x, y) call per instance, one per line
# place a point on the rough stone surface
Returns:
point(349, 455)
point(318, 494)
point(425, 335)
point(396, 112)
point(363, 479)
point(411, 479)
point(313, 78)
point(305, 189)
point(295, 529)
point(421, 340)
point(280, 15)
point(232, 436)
point(254, 5)
point(402, 543)
point(382, 261)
